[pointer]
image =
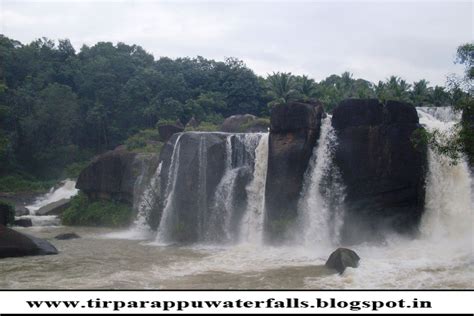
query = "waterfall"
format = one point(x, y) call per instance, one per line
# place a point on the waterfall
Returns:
point(448, 201)
point(163, 232)
point(220, 224)
point(66, 190)
point(252, 222)
point(320, 204)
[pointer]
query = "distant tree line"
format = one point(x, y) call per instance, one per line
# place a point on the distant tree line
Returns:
point(59, 106)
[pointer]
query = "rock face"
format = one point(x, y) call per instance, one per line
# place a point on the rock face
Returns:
point(294, 132)
point(200, 161)
point(243, 123)
point(15, 244)
point(55, 208)
point(67, 236)
point(23, 222)
point(168, 130)
point(112, 175)
point(382, 171)
point(342, 258)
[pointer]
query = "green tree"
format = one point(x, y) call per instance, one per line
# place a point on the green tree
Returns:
point(281, 88)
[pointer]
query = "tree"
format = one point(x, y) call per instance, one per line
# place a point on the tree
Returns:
point(281, 88)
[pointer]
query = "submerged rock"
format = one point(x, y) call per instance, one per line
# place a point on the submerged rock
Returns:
point(67, 236)
point(294, 132)
point(23, 222)
point(342, 258)
point(382, 170)
point(55, 208)
point(15, 244)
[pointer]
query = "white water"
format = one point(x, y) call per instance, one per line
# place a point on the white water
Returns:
point(145, 194)
point(317, 225)
point(252, 223)
point(240, 158)
point(66, 190)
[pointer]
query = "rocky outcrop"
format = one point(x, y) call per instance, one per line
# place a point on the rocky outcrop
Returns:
point(112, 175)
point(55, 208)
point(15, 244)
point(342, 258)
point(381, 169)
point(294, 132)
point(200, 159)
point(168, 130)
point(244, 123)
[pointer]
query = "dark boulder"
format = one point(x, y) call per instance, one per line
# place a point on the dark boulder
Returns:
point(23, 222)
point(168, 130)
point(112, 175)
point(7, 213)
point(244, 123)
point(15, 244)
point(381, 169)
point(294, 132)
point(54, 208)
point(342, 258)
point(67, 236)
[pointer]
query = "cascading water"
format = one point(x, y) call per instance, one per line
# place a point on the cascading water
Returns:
point(66, 190)
point(252, 223)
point(162, 236)
point(320, 205)
point(240, 160)
point(448, 209)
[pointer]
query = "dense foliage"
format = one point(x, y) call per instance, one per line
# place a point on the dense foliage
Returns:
point(60, 107)
point(84, 212)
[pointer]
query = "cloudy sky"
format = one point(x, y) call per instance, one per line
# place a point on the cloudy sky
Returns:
point(373, 40)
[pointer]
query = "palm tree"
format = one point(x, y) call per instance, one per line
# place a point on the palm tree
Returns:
point(281, 87)
point(306, 87)
point(420, 93)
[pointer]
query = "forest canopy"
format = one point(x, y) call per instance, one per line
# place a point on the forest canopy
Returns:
point(59, 106)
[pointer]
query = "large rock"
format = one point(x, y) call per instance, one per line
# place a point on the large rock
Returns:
point(294, 132)
point(244, 123)
point(342, 258)
point(54, 208)
point(15, 244)
point(168, 130)
point(112, 175)
point(23, 222)
point(381, 169)
point(200, 159)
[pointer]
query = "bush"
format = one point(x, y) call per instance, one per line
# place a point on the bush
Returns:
point(7, 213)
point(145, 141)
point(203, 127)
point(19, 183)
point(73, 170)
point(84, 212)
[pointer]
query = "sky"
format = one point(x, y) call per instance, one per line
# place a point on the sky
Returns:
point(372, 40)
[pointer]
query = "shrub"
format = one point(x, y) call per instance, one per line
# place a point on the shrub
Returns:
point(259, 122)
point(203, 127)
point(7, 212)
point(145, 141)
point(84, 212)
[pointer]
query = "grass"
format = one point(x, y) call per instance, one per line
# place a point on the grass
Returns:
point(145, 141)
point(203, 127)
point(84, 212)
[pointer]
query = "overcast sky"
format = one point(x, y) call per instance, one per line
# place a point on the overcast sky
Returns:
point(373, 40)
